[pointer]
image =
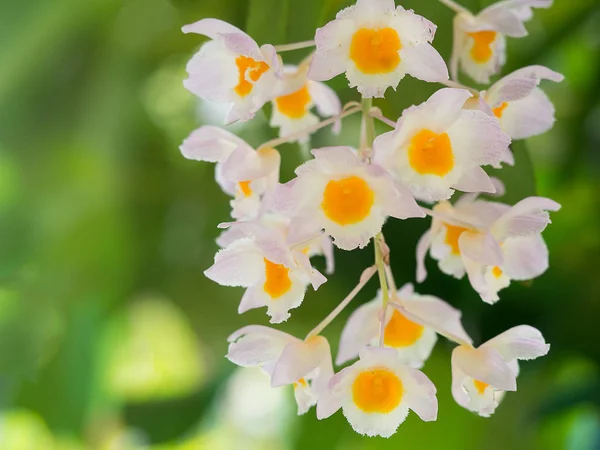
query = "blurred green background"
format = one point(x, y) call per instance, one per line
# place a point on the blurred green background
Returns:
point(111, 337)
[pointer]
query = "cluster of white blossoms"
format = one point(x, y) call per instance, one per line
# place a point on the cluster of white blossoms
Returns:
point(343, 196)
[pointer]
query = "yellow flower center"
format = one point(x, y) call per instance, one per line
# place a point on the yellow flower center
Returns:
point(452, 234)
point(430, 153)
point(375, 51)
point(401, 332)
point(499, 110)
point(482, 45)
point(278, 280)
point(245, 188)
point(497, 272)
point(248, 68)
point(347, 201)
point(300, 383)
point(294, 105)
point(480, 386)
point(377, 391)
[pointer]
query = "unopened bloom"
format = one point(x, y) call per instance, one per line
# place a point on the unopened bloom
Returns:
point(411, 326)
point(480, 376)
point(492, 242)
point(522, 108)
point(232, 68)
point(292, 111)
point(273, 270)
point(376, 392)
point(376, 43)
point(242, 172)
point(286, 359)
point(438, 147)
point(347, 197)
point(479, 40)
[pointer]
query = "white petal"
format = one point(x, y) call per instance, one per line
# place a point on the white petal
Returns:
point(481, 247)
point(478, 138)
point(330, 58)
point(445, 107)
point(525, 257)
point(242, 44)
point(305, 398)
point(503, 20)
point(238, 265)
point(331, 400)
point(360, 329)
point(530, 116)
point(212, 144)
point(423, 62)
point(419, 392)
point(422, 249)
point(436, 314)
point(527, 217)
point(520, 342)
point(326, 101)
point(299, 359)
point(486, 365)
point(212, 28)
point(250, 300)
point(256, 345)
point(475, 179)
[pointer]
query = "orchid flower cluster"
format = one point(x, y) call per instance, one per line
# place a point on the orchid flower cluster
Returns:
point(343, 196)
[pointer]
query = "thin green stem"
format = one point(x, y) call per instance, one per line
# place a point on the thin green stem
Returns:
point(367, 104)
point(381, 263)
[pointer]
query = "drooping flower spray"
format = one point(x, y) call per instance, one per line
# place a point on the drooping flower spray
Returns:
point(343, 195)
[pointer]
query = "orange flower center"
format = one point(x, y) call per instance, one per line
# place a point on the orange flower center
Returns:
point(294, 105)
point(377, 391)
point(375, 51)
point(300, 383)
point(347, 201)
point(401, 332)
point(497, 272)
point(499, 110)
point(430, 153)
point(250, 72)
point(482, 45)
point(452, 234)
point(245, 188)
point(480, 386)
point(278, 280)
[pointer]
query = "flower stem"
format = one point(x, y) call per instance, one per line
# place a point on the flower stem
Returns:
point(294, 46)
point(454, 84)
point(454, 6)
point(295, 136)
point(367, 104)
point(364, 279)
point(380, 263)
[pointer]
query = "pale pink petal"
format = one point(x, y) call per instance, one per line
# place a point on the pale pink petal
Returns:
point(436, 314)
point(332, 399)
point(242, 44)
point(419, 392)
point(459, 394)
point(360, 329)
point(399, 202)
point(480, 247)
point(246, 164)
point(530, 116)
point(211, 28)
point(520, 342)
point(330, 59)
point(422, 249)
point(256, 345)
point(335, 159)
point(444, 107)
point(486, 365)
point(475, 179)
point(525, 257)
point(374, 8)
point(529, 216)
point(503, 20)
point(423, 62)
point(240, 264)
point(477, 138)
point(250, 301)
point(299, 359)
point(326, 101)
point(315, 277)
point(212, 144)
